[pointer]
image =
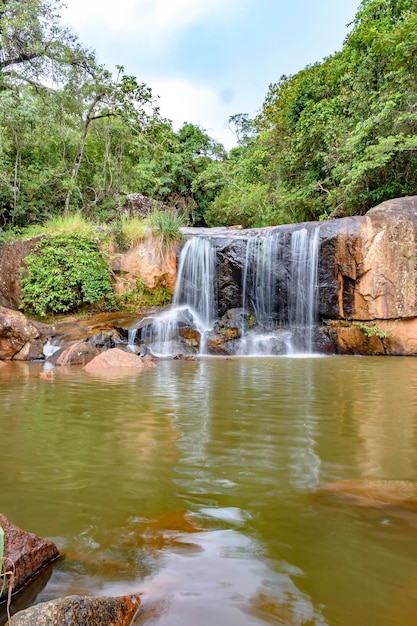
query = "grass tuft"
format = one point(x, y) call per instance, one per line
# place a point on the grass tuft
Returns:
point(166, 226)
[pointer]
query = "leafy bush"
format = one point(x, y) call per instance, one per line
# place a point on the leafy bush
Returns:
point(63, 273)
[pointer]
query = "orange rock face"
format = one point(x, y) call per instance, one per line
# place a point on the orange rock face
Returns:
point(374, 261)
point(145, 261)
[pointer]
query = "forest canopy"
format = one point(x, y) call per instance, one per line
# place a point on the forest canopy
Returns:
point(333, 140)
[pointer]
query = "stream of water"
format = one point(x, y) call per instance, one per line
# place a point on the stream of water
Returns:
point(195, 484)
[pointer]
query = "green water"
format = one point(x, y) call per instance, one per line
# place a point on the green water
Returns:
point(194, 484)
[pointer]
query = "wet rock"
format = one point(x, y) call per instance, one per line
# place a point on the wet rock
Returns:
point(364, 492)
point(106, 339)
point(191, 336)
point(115, 358)
point(230, 260)
point(79, 353)
point(20, 339)
point(25, 553)
point(80, 611)
point(217, 344)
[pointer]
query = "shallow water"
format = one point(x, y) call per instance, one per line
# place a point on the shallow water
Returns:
point(194, 484)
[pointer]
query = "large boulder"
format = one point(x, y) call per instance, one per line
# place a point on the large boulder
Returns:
point(80, 353)
point(368, 265)
point(20, 339)
point(24, 553)
point(116, 359)
point(80, 611)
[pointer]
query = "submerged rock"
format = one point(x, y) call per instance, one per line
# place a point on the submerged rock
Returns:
point(368, 492)
point(80, 611)
point(115, 359)
point(24, 553)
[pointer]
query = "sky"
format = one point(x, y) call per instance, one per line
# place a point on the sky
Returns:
point(210, 59)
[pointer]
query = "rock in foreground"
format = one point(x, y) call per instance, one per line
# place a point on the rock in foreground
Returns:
point(116, 359)
point(80, 353)
point(20, 339)
point(80, 611)
point(24, 553)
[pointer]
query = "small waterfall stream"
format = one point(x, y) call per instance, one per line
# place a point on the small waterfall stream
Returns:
point(194, 304)
point(279, 272)
point(303, 287)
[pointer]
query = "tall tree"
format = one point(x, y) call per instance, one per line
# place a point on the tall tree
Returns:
point(33, 43)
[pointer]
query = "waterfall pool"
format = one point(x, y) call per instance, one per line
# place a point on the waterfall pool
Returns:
point(195, 484)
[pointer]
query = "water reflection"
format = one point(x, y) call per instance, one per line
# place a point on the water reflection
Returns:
point(194, 483)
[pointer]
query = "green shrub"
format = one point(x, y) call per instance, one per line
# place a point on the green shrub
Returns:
point(373, 330)
point(63, 273)
point(143, 296)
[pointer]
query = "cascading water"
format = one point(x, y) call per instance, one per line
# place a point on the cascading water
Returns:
point(280, 291)
point(278, 297)
point(196, 283)
point(194, 302)
point(263, 295)
point(303, 287)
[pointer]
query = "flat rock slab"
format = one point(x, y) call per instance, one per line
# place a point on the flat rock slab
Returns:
point(397, 493)
point(24, 553)
point(80, 611)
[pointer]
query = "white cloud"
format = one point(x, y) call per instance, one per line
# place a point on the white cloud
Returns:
point(185, 101)
point(151, 21)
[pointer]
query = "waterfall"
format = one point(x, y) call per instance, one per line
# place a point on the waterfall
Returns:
point(194, 304)
point(303, 288)
point(280, 291)
point(278, 288)
point(260, 278)
point(196, 282)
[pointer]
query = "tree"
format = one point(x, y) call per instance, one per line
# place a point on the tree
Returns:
point(33, 43)
point(104, 98)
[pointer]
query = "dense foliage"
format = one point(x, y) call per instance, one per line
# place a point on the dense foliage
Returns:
point(335, 139)
point(63, 273)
